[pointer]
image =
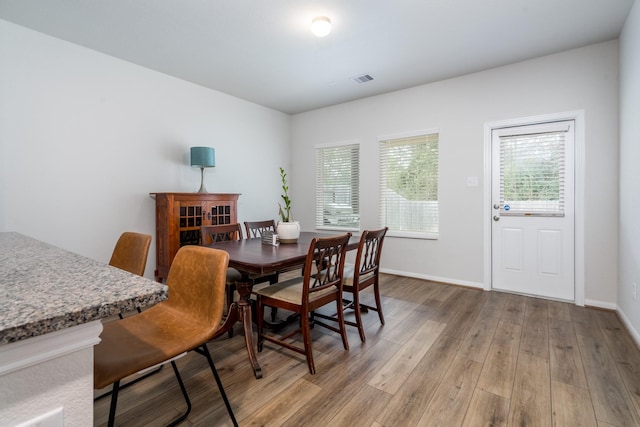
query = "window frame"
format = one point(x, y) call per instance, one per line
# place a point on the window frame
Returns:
point(382, 139)
point(319, 220)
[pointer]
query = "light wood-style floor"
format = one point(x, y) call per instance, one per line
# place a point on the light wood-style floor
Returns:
point(447, 356)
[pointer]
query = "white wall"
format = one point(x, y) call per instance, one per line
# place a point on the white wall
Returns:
point(629, 245)
point(85, 137)
point(582, 79)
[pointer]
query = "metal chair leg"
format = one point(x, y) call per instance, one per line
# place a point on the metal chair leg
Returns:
point(130, 383)
point(116, 389)
point(184, 393)
point(114, 403)
point(205, 352)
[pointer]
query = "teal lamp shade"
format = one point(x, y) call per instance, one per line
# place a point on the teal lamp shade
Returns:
point(203, 157)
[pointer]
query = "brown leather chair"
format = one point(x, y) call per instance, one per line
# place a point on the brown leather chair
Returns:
point(256, 228)
point(363, 274)
point(131, 251)
point(321, 284)
point(185, 321)
point(130, 254)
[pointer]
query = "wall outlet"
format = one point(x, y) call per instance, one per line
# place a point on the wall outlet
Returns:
point(634, 290)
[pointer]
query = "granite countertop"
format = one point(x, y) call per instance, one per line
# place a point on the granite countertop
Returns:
point(45, 289)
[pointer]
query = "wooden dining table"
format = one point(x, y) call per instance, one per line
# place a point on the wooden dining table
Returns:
point(251, 256)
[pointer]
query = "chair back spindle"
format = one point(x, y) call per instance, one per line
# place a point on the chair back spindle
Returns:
point(257, 228)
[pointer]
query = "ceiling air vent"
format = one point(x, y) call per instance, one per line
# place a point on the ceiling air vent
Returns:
point(362, 79)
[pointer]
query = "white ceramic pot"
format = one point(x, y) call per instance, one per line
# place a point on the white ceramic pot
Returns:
point(288, 232)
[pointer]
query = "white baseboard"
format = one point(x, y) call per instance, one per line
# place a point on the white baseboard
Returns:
point(600, 304)
point(434, 278)
point(634, 334)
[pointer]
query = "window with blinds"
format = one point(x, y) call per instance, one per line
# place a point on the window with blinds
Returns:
point(338, 186)
point(409, 185)
point(532, 174)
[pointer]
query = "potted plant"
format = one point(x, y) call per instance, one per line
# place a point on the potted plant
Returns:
point(288, 230)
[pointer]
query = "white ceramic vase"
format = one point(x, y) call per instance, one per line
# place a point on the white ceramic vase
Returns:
point(288, 232)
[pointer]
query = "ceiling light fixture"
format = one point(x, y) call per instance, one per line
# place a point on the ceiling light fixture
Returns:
point(321, 26)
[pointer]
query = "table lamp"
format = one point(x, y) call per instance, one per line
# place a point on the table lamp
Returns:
point(203, 157)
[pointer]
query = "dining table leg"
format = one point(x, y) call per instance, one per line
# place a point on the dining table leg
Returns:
point(244, 314)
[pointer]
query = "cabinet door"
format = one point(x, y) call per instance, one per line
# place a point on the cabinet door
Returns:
point(190, 217)
point(219, 212)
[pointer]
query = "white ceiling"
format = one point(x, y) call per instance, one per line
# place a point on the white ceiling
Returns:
point(262, 50)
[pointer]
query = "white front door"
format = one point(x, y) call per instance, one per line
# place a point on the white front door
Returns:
point(532, 191)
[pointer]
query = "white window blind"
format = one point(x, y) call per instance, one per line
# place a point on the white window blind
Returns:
point(409, 185)
point(532, 176)
point(338, 186)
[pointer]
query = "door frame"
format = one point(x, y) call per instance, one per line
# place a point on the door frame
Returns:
point(579, 170)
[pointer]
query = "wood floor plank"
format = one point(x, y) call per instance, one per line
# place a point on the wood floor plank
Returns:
point(531, 398)
point(400, 330)
point(283, 372)
point(559, 310)
point(407, 406)
point(565, 362)
point(514, 309)
point(277, 411)
point(364, 406)
point(486, 409)
point(477, 342)
point(396, 371)
point(465, 300)
point(623, 351)
point(611, 401)
point(409, 402)
point(535, 329)
point(339, 383)
point(585, 321)
point(500, 364)
point(621, 345)
point(443, 292)
point(571, 406)
point(460, 323)
point(448, 405)
point(405, 289)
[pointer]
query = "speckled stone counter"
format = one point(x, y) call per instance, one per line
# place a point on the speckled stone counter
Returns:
point(45, 289)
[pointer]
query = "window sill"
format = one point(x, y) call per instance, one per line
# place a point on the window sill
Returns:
point(412, 235)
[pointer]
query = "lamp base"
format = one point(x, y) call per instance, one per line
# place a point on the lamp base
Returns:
point(202, 189)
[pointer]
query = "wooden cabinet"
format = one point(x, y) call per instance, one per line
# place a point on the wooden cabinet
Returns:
point(179, 217)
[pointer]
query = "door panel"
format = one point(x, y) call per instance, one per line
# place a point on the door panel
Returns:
point(512, 243)
point(550, 252)
point(533, 210)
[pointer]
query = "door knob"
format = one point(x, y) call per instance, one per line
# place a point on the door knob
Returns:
point(496, 206)
point(496, 218)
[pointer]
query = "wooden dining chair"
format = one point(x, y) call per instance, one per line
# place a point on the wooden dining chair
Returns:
point(212, 234)
point(257, 228)
point(363, 274)
point(320, 285)
point(186, 321)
